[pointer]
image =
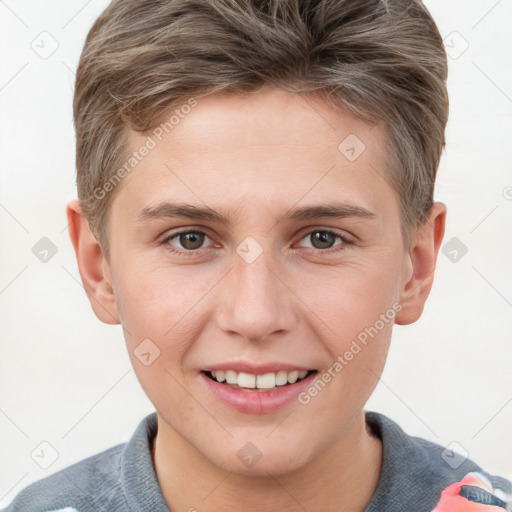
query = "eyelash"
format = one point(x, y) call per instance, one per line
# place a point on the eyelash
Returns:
point(322, 252)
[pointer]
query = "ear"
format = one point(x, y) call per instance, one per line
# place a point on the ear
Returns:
point(422, 261)
point(93, 267)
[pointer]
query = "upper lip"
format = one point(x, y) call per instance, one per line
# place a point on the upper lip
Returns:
point(257, 369)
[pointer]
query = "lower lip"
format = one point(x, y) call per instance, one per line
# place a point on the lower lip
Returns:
point(258, 402)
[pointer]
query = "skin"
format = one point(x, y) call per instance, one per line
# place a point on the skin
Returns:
point(253, 158)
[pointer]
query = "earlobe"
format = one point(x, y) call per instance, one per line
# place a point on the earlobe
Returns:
point(93, 268)
point(423, 257)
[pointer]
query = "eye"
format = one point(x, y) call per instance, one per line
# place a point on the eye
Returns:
point(190, 241)
point(324, 239)
point(321, 241)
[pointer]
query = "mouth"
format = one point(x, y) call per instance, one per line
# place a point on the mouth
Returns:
point(258, 383)
point(257, 389)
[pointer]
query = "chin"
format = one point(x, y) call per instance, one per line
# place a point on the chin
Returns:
point(261, 459)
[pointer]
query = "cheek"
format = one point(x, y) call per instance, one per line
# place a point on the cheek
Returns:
point(358, 306)
point(161, 314)
point(351, 301)
point(158, 335)
point(153, 302)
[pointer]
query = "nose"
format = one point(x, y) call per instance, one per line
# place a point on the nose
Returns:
point(256, 300)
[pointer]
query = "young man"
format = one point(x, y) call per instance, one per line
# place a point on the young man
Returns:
point(255, 184)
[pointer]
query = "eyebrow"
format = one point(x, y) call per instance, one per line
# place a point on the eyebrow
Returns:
point(188, 211)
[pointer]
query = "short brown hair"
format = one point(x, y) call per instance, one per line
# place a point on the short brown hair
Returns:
point(381, 60)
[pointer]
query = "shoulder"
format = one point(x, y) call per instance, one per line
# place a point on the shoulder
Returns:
point(86, 486)
point(416, 471)
point(119, 479)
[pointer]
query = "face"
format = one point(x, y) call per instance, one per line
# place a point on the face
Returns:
point(249, 243)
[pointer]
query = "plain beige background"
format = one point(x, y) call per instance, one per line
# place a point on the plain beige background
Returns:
point(65, 378)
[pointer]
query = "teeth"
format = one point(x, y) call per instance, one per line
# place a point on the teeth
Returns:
point(246, 380)
point(292, 377)
point(281, 378)
point(265, 381)
point(231, 377)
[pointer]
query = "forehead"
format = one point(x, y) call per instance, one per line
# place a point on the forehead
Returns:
point(264, 148)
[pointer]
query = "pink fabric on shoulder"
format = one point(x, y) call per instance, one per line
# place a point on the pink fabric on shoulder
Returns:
point(472, 494)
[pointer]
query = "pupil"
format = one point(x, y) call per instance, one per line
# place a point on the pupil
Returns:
point(191, 240)
point(324, 238)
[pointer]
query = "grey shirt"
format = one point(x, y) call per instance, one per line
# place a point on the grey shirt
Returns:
point(123, 479)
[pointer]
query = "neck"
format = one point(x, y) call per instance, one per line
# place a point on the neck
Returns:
point(344, 477)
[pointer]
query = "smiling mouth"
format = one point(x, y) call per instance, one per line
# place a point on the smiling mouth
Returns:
point(250, 382)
